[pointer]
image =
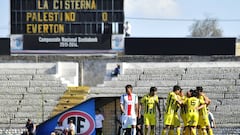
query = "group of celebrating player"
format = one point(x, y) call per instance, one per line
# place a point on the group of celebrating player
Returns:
point(192, 106)
point(193, 111)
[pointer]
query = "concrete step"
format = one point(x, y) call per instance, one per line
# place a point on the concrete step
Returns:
point(162, 70)
point(12, 96)
point(118, 83)
point(47, 90)
point(210, 76)
point(47, 102)
point(124, 77)
point(132, 71)
point(13, 77)
point(213, 70)
point(14, 83)
point(39, 97)
point(5, 102)
point(156, 83)
point(12, 131)
point(18, 71)
point(45, 77)
point(12, 90)
point(54, 83)
point(195, 83)
point(10, 109)
point(160, 77)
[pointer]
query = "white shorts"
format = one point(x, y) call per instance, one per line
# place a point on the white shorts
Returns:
point(127, 121)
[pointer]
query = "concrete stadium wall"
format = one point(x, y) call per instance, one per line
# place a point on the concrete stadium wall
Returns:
point(92, 69)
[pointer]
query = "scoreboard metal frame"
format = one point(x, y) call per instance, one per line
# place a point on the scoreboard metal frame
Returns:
point(75, 17)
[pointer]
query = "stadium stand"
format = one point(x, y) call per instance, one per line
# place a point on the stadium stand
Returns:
point(37, 90)
point(27, 90)
point(220, 81)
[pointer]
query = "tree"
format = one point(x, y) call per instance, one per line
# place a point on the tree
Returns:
point(206, 28)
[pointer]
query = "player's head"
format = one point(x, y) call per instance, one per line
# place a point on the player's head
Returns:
point(97, 111)
point(71, 121)
point(153, 91)
point(199, 88)
point(176, 89)
point(188, 94)
point(128, 89)
point(181, 93)
point(194, 93)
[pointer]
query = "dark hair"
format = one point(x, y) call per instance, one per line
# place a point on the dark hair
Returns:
point(176, 87)
point(128, 86)
point(98, 110)
point(199, 88)
point(191, 90)
point(194, 93)
point(153, 89)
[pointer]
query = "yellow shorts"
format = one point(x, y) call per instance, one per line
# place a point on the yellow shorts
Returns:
point(203, 121)
point(192, 119)
point(169, 119)
point(149, 119)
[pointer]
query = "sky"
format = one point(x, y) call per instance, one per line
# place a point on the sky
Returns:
point(164, 18)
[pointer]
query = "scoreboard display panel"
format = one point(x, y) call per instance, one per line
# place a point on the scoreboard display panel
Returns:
point(75, 17)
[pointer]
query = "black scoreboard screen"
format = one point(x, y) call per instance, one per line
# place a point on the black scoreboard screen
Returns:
point(79, 17)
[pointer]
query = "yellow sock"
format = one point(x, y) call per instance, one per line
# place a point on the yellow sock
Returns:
point(210, 131)
point(193, 131)
point(152, 132)
point(200, 131)
point(204, 131)
point(146, 131)
point(178, 131)
point(171, 132)
point(164, 132)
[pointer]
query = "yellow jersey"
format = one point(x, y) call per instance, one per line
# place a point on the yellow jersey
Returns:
point(149, 103)
point(171, 103)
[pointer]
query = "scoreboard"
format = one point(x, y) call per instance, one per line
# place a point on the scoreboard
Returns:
point(75, 17)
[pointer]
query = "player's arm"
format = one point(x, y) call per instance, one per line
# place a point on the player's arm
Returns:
point(214, 124)
point(178, 100)
point(122, 108)
point(139, 109)
point(202, 104)
point(137, 106)
point(206, 99)
point(141, 105)
point(159, 110)
point(121, 105)
point(200, 107)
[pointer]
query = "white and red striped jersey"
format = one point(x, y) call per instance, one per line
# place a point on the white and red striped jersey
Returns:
point(129, 103)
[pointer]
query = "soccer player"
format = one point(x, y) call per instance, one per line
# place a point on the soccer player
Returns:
point(177, 124)
point(150, 104)
point(204, 124)
point(129, 109)
point(211, 119)
point(171, 105)
point(193, 105)
point(183, 112)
